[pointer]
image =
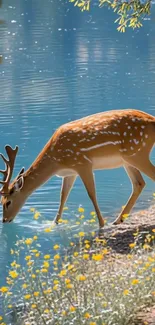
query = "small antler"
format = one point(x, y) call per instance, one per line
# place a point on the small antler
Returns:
point(7, 173)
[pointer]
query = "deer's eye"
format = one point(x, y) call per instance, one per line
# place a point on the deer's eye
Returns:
point(8, 203)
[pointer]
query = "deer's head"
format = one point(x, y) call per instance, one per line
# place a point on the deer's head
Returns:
point(12, 197)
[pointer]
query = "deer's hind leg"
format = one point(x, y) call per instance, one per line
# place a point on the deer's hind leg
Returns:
point(138, 184)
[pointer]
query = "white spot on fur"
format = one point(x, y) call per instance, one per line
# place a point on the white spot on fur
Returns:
point(84, 139)
point(135, 141)
point(85, 157)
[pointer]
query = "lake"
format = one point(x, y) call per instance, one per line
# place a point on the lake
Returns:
point(58, 65)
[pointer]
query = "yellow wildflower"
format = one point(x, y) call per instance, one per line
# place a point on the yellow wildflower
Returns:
point(126, 292)
point(12, 251)
point(44, 270)
point(46, 264)
point(27, 297)
point(64, 313)
point(33, 276)
point(29, 263)
point(56, 257)
point(72, 244)
point(150, 259)
point(36, 293)
point(46, 311)
point(36, 215)
point(81, 234)
point(62, 272)
point(105, 251)
point(35, 237)
point(55, 287)
point(93, 213)
point(28, 241)
point(85, 256)
point(14, 264)
point(34, 250)
point(80, 209)
point(55, 281)
point(70, 267)
point(125, 216)
point(72, 308)
point(10, 306)
point(146, 246)
point(1, 318)
point(97, 257)
point(47, 229)
point(87, 246)
point(37, 254)
point(81, 277)
point(92, 220)
point(43, 284)
point(65, 208)
point(87, 315)
point(34, 306)
point(32, 209)
point(28, 257)
point(153, 269)
point(4, 289)
point(13, 274)
point(134, 281)
point(76, 254)
point(24, 285)
point(132, 245)
point(92, 323)
point(49, 290)
point(56, 247)
point(69, 286)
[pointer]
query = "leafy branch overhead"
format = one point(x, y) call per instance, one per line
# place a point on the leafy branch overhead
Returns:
point(130, 13)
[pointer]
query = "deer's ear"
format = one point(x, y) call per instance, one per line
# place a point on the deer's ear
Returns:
point(19, 184)
point(20, 173)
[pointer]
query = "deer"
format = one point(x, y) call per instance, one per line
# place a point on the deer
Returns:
point(106, 140)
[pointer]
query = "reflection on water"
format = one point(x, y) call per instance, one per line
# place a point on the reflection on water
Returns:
point(59, 65)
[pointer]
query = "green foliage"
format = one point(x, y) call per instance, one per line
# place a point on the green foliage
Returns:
point(131, 13)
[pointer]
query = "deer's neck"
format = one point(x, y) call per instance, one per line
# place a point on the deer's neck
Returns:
point(43, 168)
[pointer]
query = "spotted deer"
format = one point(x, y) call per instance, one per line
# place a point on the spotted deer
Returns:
point(101, 141)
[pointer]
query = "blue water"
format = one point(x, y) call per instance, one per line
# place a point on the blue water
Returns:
point(59, 64)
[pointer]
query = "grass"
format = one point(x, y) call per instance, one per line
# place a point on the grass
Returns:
point(88, 285)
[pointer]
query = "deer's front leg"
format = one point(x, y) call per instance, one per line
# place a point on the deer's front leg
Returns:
point(67, 185)
point(87, 177)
